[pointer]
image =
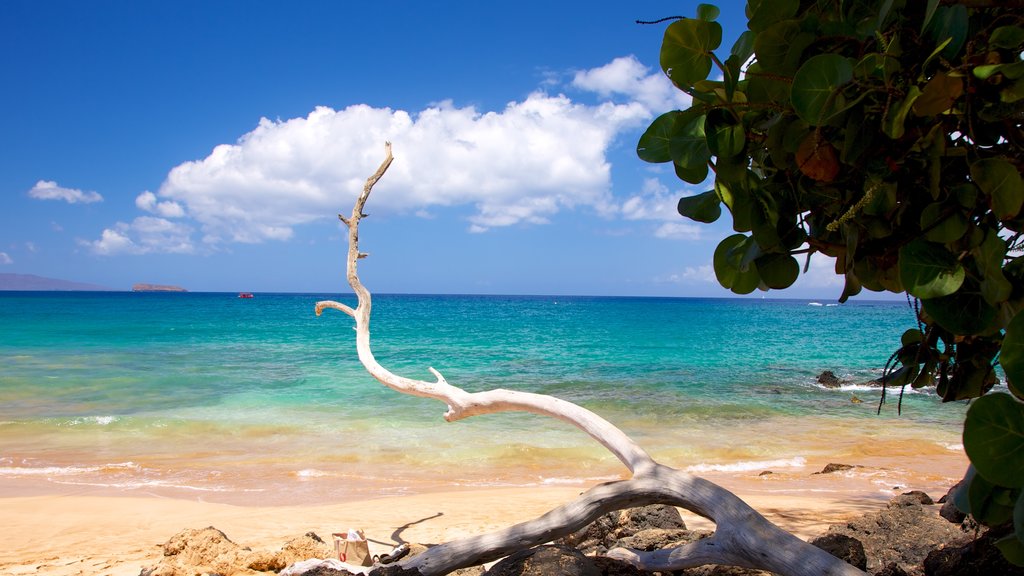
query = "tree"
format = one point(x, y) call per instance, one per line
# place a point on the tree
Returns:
point(886, 135)
point(742, 537)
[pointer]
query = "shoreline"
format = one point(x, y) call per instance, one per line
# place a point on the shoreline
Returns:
point(64, 531)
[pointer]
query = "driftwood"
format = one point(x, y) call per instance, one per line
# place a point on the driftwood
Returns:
point(742, 537)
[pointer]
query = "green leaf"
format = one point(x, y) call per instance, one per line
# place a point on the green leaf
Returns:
point(686, 50)
point(729, 269)
point(1011, 357)
point(960, 497)
point(1018, 517)
point(725, 135)
point(816, 87)
point(743, 48)
point(942, 224)
point(778, 271)
point(949, 22)
point(994, 439)
point(688, 146)
point(1012, 549)
point(705, 207)
point(1001, 181)
point(764, 13)
point(1007, 37)
point(986, 506)
point(962, 312)
point(894, 123)
point(653, 145)
point(708, 12)
point(928, 270)
point(929, 14)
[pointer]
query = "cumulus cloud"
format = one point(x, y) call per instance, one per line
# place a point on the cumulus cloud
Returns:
point(5, 259)
point(147, 201)
point(144, 235)
point(521, 164)
point(692, 275)
point(627, 76)
point(678, 231)
point(49, 190)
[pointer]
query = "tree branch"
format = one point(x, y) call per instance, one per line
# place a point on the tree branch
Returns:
point(743, 537)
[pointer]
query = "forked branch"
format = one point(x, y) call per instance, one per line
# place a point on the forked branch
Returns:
point(743, 537)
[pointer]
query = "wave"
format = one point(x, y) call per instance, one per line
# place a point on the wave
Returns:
point(748, 466)
point(65, 470)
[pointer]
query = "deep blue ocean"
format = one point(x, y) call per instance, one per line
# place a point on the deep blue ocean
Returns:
point(207, 393)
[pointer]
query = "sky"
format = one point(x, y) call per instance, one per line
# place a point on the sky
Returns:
point(211, 145)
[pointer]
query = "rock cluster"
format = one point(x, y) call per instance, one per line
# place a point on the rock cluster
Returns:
point(908, 538)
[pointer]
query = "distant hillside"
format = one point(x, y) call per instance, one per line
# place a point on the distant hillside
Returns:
point(33, 282)
point(143, 287)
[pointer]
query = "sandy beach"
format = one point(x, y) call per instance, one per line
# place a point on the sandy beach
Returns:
point(96, 532)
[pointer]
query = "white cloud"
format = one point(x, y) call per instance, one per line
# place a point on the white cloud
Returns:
point(144, 235)
point(5, 259)
point(678, 231)
point(519, 165)
point(654, 202)
point(147, 201)
point(820, 274)
point(626, 76)
point(695, 275)
point(49, 190)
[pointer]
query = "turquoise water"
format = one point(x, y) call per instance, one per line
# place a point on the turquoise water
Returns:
point(211, 394)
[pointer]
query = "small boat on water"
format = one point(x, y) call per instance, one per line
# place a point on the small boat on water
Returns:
point(245, 294)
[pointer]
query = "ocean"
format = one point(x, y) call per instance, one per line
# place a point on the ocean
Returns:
point(213, 397)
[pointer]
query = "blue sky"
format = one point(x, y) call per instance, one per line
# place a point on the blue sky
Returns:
point(211, 145)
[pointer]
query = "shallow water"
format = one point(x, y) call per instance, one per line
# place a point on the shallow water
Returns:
point(215, 397)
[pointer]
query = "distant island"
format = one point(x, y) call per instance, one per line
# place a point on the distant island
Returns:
point(33, 283)
point(141, 287)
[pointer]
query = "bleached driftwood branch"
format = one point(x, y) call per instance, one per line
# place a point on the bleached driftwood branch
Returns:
point(742, 537)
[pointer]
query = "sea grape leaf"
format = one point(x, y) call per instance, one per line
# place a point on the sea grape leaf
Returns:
point(816, 86)
point(994, 439)
point(743, 48)
point(724, 135)
point(1007, 37)
point(729, 270)
point(817, 159)
point(688, 146)
point(938, 95)
point(1018, 517)
point(705, 207)
point(1011, 357)
point(941, 224)
point(778, 271)
point(708, 12)
point(686, 50)
point(986, 506)
point(928, 270)
point(1012, 549)
point(654, 144)
point(1001, 181)
point(964, 312)
point(764, 13)
point(949, 22)
point(895, 120)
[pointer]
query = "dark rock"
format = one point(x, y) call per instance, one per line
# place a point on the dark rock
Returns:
point(658, 538)
point(903, 534)
point(977, 558)
point(716, 570)
point(603, 533)
point(830, 468)
point(612, 567)
point(949, 511)
point(846, 548)
point(892, 569)
point(542, 561)
point(912, 498)
point(766, 473)
point(828, 379)
point(393, 570)
point(325, 571)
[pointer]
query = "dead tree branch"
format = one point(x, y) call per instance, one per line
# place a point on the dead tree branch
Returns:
point(743, 537)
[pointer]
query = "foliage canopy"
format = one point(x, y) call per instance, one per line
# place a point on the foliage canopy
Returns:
point(885, 134)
